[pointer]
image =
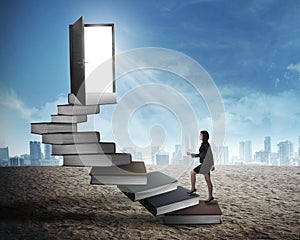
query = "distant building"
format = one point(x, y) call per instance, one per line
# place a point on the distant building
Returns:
point(50, 162)
point(177, 155)
point(221, 154)
point(245, 151)
point(16, 161)
point(242, 151)
point(154, 151)
point(162, 158)
point(4, 157)
point(139, 156)
point(224, 155)
point(274, 159)
point(262, 157)
point(26, 158)
point(194, 142)
point(285, 152)
point(47, 151)
point(267, 144)
point(299, 147)
point(35, 153)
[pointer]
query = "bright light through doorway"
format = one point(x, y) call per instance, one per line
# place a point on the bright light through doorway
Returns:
point(98, 44)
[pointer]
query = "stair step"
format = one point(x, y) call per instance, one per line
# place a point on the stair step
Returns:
point(94, 99)
point(49, 127)
point(133, 173)
point(157, 183)
point(71, 138)
point(97, 160)
point(170, 201)
point(202, 213)
point(69, 109)
point(84, 148)
point(68, 119)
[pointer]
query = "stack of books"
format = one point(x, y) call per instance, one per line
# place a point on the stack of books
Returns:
point(162, 195)
point(81, 149)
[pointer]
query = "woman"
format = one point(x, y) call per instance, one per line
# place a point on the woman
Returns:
point(206, 165)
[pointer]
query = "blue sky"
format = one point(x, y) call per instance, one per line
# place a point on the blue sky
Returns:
point(249, 48)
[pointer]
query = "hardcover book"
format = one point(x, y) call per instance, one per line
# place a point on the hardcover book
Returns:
point(84, 148)
point(71, 137)
point(97, 160)
point(48, 127)
point(133, 173)
point(202, 213)
point(170, 201)
point(68, 118)
point(69, 109)
point(157, 183)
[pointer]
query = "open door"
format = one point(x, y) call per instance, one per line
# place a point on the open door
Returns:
point(92, 63)
point(77, 68)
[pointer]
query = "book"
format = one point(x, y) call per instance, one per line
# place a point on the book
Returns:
point(170, 201)
point(84, 148)
point(71, 138)
point(202, 213)
point(48, 127)
point(133, 173)
point(94, 98)
point(68, 118)
point(97, 160)
point(69, 109)
point(157, 183)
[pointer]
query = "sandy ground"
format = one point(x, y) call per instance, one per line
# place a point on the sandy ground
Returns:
point(59, 203)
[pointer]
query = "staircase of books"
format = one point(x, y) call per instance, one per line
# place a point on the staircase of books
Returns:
point(156, 191)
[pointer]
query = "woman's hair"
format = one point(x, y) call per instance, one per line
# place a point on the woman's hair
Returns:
point(205, 135)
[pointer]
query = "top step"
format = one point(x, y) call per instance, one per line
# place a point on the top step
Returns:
point(94, 99)
point(72, 110)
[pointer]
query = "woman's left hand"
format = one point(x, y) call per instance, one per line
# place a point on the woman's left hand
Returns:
point(212, 168)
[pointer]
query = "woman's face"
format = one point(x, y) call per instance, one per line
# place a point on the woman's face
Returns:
point(201, 136)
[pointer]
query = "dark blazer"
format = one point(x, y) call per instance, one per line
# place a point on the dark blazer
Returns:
point(202, 151)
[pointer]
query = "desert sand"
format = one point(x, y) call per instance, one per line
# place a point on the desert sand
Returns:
point(59, 203)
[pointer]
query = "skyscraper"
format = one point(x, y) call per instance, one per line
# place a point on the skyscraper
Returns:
point(177, 155)
point(299, 147)
point(285, 152)
point(224, 155)
point(248, 151)
point(187, 144)
point(242, 151)
point(245, 151)
point(262, 157)
point(4, 157)
point(162, 158)
point(47, 151)
point(267, 144)
point(35, 153)
point(154, 151)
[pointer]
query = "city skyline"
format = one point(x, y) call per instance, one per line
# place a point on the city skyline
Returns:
point(284, 153)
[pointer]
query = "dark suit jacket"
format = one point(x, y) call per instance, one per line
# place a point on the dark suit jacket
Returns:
point(202, 151)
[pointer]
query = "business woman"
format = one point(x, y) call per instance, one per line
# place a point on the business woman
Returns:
point(206, 165)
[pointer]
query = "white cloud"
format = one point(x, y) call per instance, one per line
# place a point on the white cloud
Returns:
point(252, 115)
point(16, 117)
point(294, 67)
point(10, 100)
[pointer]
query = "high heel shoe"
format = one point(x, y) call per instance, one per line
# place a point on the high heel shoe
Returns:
point(209, 200)
point(191, 192)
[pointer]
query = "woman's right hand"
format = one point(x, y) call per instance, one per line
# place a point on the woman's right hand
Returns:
point(188, 153)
